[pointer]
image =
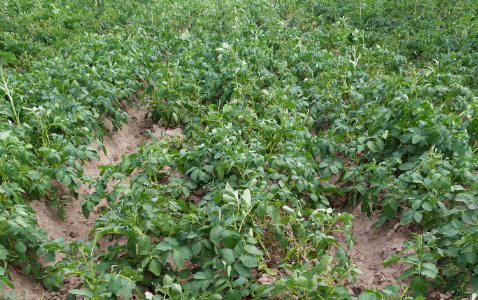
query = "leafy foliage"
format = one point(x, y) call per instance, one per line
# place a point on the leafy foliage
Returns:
point(276, 98)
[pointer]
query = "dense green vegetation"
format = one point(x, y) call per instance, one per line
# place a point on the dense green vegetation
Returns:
point(274, 96)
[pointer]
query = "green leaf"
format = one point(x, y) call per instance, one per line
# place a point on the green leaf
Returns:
point(407, 217)
point(416, 204)
point(242, 270)
point(115, 284)
point(102, 232)
point(8, 57)
point(222, 168)
point(473, 205)
point(66, 180)
point(419, 285)
point(82, 292)
point(60, 175)
point(464, 197)
point(253, 250)
point(274, 189)
point(144, 244)
point(24, 168)
point(229, 189)
point(4, 135)
point(272, 212)
point(300, 185)
point(447, 271)
point(444, 183)
point(391, 259)
point(238, 282)
point(34, 175)
point(289, 210)
point(428, 273)
point(261, 210)
point(361, 188)
point(341, 253)
point(333, 169)
point(407, 273)
point(389, 212)
point(226, 108)
point(367, 296)
point(233, 295)
point(184, 274)
point(230, 238)
point(380, 145)
point(196, 248)
point(366, 207)
point(427, 205)
point(301, 281)
point(3, 252)
point(279, 235)
point(172, 241)
point(215, 234)
point(7, 281)
point(246, 199)
point(407, 166)
point(391, 289)
point(50, 256)
point(417, 217)
point(430, 266)
point(155, 267)
point(126, 288)
point(416, 139)
point(249, 261)
point(179, 257)
point(52, 158)
point(186, 251)
point(21, 247)
point(372, 146)
point(228, 255)
point(164, 246)
point(201, 276)
point(471, 258)
point(469, 217)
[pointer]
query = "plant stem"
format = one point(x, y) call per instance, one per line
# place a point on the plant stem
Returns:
point(289, 254)
point(7, 91)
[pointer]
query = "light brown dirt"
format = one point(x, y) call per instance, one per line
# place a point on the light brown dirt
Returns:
point(371, 245)
point(75, 226)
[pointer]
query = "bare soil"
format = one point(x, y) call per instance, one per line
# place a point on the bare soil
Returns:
point(75, 226)
point(371, 245)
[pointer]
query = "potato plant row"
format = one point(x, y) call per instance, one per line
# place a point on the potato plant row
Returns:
point(275, 98)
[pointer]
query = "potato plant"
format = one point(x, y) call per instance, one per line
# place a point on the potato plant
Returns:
point(286, 106)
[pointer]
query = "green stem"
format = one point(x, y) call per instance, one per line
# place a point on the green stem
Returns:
point(7, 91)
point(259, 239)
point(305, 250)
point(242, 222)
point(291, 252)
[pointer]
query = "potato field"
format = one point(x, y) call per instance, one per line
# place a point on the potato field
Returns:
point(239, 149)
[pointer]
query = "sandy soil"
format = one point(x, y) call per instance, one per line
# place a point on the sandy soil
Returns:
point(371, 246)
point(75, 226)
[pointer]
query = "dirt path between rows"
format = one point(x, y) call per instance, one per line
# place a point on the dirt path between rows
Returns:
point(371, 246)
point(75, 226)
